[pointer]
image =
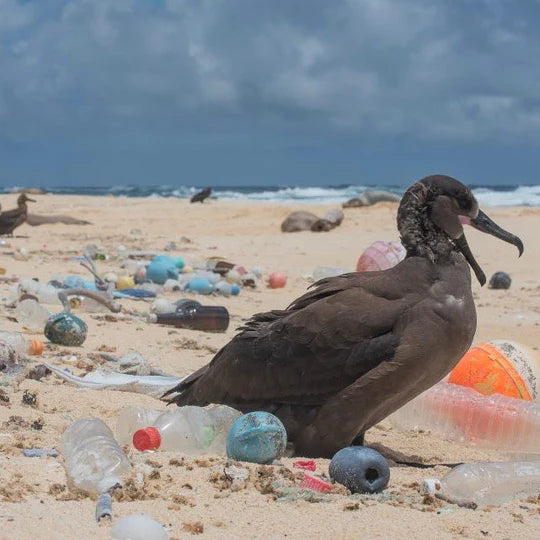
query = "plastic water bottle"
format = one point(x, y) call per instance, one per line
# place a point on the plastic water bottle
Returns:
point(458, 413)
point(192, 315)
point(22, 344)
point(190, 430)
point(32, 315)
point(131, 419)
point(46, 294)
point(486, 482)
point(95, 462)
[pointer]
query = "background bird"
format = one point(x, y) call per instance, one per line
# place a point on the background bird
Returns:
point(358, 346)
point(11, 219)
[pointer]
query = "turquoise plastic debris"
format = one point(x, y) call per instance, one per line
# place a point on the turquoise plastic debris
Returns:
point(257, 437)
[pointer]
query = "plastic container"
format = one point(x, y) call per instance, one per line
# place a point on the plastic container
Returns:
point(458, 413)
point(190, 430)
point(32, 315)
point(131, 419)
point(483, 483)
point(94, 460)
point(87, 304)
point(46, 294)
point(226, 289)
point(194, 317)
point(22, 344)
point(499, 367)
point(322, 272)
point(201, 285)
point(380, 255)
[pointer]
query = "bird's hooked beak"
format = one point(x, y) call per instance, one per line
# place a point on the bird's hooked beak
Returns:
point(486, 225)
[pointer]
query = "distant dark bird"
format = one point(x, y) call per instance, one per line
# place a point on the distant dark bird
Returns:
point(11, 219)
point(203, 194)
point(358, 346)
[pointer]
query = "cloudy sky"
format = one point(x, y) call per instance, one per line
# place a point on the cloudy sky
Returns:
point(268, 91)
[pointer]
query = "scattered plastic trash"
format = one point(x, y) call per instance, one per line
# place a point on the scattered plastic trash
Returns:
point(138, 527)
point(32, 315)
point(277, 280)
point(486, 483)
point(162, 305)
point(360, 469)
point(152, 385)
point(458, 413)
point(257, 437)
point(499, 366)
point(322, 272)
point(307, 465)
point(95, 462)
point(104, 507)
point(38, 452)
point(45, 294)
point(380, 255)
point(500, 280)
point(315, 483)
point(200, 285)
point(22, 344)
point(125, 282)
point(190, 430)
point(194, 316)
point(66, 329)
point(226, 289)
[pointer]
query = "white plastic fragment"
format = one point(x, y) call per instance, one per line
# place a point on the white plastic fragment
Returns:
point(138, 527)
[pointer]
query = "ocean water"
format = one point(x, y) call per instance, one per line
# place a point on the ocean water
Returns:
point(503, 195)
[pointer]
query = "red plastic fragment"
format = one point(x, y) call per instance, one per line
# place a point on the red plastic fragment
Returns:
point(308, 465)
point(315, 484)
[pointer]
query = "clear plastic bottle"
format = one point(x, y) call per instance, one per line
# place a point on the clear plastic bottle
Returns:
point(32, 315)
point(192, 315)
point(131, 419)
point(22, 344)
point(190, 430)
point(458, 413)
point(486, 482)
point(95, 462)
point(46, 294)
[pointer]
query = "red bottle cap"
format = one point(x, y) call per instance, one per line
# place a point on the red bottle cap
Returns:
point(315, 484)
point(147, 439)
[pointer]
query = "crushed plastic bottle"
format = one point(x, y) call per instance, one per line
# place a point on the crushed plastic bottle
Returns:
point(22, 344)
point(95, 462)
point(190, 430)
point(458, 413)
point(484, 483)
point(131, 419)
point(32, 315)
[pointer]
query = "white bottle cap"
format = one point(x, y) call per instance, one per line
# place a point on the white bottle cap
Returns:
point(430, 486)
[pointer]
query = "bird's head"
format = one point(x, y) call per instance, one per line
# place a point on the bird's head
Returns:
point(23, 199)
point(431, 218)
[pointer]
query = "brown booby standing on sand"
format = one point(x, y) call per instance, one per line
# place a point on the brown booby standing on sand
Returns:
point(11, 219)
point(358, 346)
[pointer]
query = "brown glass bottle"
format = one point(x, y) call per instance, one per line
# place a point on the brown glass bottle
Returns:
point(196, 317)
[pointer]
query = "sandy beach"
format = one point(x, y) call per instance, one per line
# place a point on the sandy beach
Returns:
point(191, 496)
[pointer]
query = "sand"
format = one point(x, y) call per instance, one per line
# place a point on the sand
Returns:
point(193, 496)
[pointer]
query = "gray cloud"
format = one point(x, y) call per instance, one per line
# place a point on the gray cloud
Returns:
point(448, 71)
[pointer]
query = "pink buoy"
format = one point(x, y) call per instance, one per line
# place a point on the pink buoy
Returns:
point(381, 255)
point(276, 280)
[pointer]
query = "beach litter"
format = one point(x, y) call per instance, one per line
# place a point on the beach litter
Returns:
point(138, 527)
point(500, 280)
point(380, 255)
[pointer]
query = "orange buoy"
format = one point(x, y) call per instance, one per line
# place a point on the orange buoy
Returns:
point(499, 367)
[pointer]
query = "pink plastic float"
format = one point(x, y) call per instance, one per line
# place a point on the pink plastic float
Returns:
point(380, 256)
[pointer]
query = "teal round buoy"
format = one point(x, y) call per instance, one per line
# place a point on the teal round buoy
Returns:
point(66, 329)
point(257, 437)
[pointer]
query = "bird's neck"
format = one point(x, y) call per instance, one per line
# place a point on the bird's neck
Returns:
point(419, 235)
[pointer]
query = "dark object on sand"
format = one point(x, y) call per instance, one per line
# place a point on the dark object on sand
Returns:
point(500, 280)
point(360, 469)
point(370, 197)
point(204, 194)
point(35, 220)
point(11, 219)
point(358, 346)
point(306, 221)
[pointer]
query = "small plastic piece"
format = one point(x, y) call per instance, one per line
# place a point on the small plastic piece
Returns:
point(125, 282)
point(360, 469)
point(147, 438)
point(22, 344)
point(315, 484)
point(38, 452)
point(32, 315)
point(138, 527)
point(201, 285)
point(307, 465)
point(104, 506)
point(130, 419)
point(257, 437)
point(500, 280)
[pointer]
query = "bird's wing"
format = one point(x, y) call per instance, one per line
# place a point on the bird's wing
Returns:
point(325, 340)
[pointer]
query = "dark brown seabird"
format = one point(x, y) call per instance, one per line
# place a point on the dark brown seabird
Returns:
point(358, 346)
point(11, 219)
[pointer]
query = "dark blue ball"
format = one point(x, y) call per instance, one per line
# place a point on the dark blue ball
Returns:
point(499, 280)
point(360, 469)
point(257, 437)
